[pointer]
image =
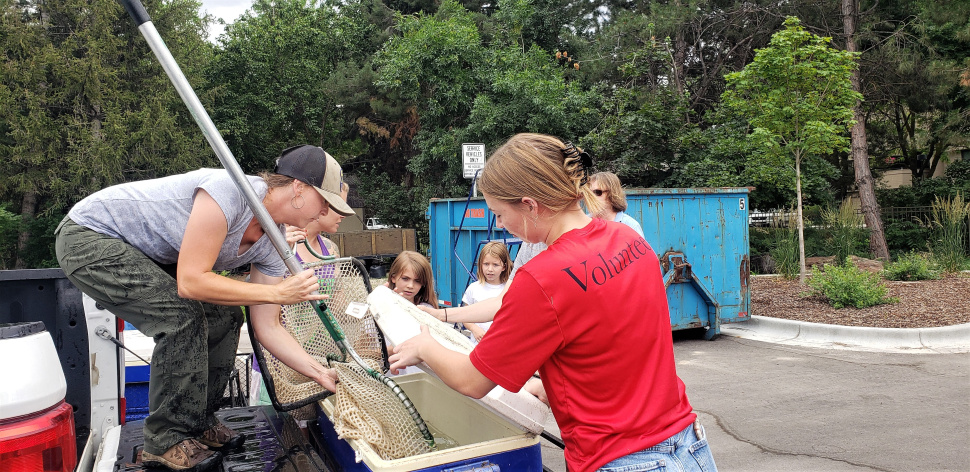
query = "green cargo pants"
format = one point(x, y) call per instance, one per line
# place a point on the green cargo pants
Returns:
point(195, 342)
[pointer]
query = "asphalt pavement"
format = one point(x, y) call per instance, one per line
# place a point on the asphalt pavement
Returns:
point(804, 397)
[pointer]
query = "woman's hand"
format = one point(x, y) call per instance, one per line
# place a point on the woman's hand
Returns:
point(294, 234)
point(328, 379)
point(435, 312)
point(409, 352)
point(299, 288)
point(535, 387)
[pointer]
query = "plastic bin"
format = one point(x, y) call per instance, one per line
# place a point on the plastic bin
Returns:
point(136, 392)
point(485, 440)
point(700, 236)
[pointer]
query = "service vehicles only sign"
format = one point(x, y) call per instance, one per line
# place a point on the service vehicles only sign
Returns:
point(472, 159)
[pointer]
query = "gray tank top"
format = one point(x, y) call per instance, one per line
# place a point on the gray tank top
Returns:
point(151, 215)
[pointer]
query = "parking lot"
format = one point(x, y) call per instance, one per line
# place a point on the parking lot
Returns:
point(776, 407)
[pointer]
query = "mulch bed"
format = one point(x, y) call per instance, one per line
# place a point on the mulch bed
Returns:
point(922, 304)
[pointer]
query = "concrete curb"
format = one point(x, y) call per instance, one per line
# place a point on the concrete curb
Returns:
point(947, 339)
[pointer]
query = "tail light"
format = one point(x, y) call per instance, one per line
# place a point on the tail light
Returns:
point(43, 442)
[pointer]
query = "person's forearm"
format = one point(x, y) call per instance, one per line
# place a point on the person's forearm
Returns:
point(279, 342)
point(456, 370)
point(476, 330)
point(219, 290)
point(475, 313)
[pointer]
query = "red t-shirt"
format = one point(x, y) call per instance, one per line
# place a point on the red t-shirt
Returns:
point(590, 314)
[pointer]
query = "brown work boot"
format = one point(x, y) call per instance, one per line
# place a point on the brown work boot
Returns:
point(221, 437)
point(188, 455)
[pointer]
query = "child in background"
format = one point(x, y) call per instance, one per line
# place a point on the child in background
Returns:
point(494, 267)
point(410, 277)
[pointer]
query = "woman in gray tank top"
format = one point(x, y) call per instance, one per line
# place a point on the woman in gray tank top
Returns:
point(150, 252)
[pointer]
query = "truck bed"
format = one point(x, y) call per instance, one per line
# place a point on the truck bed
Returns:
point(274, 442)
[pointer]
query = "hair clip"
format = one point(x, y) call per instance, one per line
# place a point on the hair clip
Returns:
point(571, 152)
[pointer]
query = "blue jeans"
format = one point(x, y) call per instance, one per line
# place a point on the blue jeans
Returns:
point(684, 451)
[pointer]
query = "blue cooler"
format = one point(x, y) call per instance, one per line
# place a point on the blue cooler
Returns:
point(486, 441)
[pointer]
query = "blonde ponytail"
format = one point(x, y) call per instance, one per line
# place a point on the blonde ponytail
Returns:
point(541, 167)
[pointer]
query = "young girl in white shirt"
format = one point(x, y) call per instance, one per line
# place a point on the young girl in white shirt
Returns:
point(494, 267)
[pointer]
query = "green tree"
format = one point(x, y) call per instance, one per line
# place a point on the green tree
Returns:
point(83, 105)
point(285, 74)
point(914, 70)
point(722, 155)
point(797, 96)
point(450, 84)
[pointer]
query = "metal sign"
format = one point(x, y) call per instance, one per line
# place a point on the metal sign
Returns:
point(472, 159)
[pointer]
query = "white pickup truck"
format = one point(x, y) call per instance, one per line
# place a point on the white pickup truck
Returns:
point(62, 403)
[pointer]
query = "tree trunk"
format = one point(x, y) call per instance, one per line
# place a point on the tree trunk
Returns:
point(679, 57)
point(28, 209)
point(860, 151)
point(802, 273)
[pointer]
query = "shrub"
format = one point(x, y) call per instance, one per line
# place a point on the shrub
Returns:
point(907, 235)
point(949, 217)
point(845, 232)
point(910, 266)
point(849, 285)
point(784, 251)
point(759, 241)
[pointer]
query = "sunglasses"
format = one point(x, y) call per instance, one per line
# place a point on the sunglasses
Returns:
point(598, 192)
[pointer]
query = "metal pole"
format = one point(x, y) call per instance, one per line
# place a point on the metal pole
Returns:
point(137, 12)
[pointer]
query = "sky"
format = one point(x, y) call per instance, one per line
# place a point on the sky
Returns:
point(228, 10)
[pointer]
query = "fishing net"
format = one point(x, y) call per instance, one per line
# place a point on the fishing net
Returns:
point(344, 281)
point(365, 408)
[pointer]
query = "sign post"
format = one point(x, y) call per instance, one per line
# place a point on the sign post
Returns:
point(473, 160)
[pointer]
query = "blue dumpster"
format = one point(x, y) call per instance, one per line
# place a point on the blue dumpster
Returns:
point(458, 229)
point(700, 236)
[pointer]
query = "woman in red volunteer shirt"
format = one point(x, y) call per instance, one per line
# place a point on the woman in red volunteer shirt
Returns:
point(589, 313)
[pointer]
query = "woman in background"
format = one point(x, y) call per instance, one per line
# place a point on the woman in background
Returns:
point(607, 189)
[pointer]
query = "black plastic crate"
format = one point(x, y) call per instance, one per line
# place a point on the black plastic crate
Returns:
point(274, 442)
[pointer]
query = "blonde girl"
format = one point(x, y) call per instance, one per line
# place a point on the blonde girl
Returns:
point(494, 267)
